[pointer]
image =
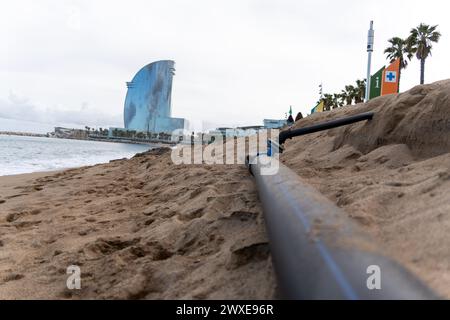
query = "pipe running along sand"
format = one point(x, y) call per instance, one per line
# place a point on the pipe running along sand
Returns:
point(317, 251)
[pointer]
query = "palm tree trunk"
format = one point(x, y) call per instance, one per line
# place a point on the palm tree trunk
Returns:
point(399, 77)
point(422, 71)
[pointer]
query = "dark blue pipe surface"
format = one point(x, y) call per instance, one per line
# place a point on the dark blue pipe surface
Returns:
point(318, 252)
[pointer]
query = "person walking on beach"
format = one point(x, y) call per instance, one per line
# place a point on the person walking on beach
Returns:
point(299, 116)
point(290, 119)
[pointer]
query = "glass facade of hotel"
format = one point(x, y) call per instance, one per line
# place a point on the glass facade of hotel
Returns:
point(148, 101)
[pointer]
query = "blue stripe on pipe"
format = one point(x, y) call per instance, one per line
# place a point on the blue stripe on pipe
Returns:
point(345, 285)
point(340, 277)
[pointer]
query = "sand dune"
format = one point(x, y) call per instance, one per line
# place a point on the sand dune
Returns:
point(392, 174)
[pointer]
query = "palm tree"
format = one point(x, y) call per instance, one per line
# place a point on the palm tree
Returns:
point(399, 49)
point(337, 100)
point(327, 101)
point(360, 91)
point(343, 96)
point(347, 95)
point(420, 41)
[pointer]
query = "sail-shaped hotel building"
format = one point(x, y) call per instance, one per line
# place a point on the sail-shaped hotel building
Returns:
point(148, 102)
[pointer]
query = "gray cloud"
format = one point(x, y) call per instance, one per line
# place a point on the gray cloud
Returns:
point(22, 109)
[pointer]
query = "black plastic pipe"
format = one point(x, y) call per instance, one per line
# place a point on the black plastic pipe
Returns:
point(288, 134)
point(317, 251)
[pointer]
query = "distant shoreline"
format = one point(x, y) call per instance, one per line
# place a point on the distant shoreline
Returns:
point(24, 134)
point(106, 139)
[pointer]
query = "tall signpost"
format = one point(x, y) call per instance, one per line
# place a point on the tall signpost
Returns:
point(370, 39)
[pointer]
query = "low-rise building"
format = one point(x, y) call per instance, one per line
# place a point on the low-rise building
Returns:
point(274, 124)
point(68, 133)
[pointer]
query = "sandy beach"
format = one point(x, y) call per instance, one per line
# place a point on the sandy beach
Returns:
point(139, 228)
point(146, 228)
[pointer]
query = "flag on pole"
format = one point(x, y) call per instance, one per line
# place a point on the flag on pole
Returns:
point(375, 83)
point(318, 108)
point(390, 78)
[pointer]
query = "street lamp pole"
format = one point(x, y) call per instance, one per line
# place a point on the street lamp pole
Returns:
point(370, 40)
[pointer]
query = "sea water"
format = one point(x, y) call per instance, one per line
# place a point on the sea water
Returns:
point(20, 154)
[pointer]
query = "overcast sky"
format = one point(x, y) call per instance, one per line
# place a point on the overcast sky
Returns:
point(237, 62)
